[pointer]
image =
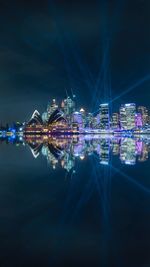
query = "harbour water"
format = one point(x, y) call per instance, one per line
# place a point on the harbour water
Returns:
point(75, 201)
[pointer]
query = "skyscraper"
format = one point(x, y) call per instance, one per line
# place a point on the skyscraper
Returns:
point(123, 118)
point(127, 116)
point(77, 118)
point(138, 120)
point(144, 112)
point(104, 116)
point(68, 106)
point(115, 121)
point(51, 107)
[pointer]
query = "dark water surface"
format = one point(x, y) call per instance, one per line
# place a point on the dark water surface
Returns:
point(97, 215)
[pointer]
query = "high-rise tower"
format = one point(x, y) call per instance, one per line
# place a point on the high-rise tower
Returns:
point(144, 113)
point(104, 116)
point(127, 116)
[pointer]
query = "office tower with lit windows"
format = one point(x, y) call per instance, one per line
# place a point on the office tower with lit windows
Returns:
point(123, 118)
point(78, 118)
point(68, 106)
point(51, 107)
point(104, 116)
point(115, 121)
point(89, 120)
point(138, 120)
point(127, 116)
point(144, 113)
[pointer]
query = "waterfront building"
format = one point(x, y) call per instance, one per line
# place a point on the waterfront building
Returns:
point(68, 106)
point(77, 118)
point(115, 121)
point(104, 116)
point(45, 117)
point(51, 107)
point(127, 116)
point(144, 113)
point(138, 120)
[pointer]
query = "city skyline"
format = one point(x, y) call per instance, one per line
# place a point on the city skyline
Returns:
point(67, 117)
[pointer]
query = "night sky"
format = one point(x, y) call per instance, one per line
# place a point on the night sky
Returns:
point(100, 49)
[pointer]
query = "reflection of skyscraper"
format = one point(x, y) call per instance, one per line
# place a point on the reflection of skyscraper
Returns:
point(104, 116)
point(104, 151)
point(115, 146)
point(127, 116)
point(144, 153)
point(128, 151)
point(67, 161)
point(144, 112)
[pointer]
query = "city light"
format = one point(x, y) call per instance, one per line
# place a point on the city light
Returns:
point(68, 119)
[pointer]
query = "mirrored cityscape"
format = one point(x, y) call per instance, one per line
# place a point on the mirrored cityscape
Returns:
point(63, 151)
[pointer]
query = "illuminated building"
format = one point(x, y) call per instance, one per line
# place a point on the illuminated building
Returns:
point(77, 118)
point(89, 120)
point(35, 124)
point(104, 116)
point(64, 119)
point(138, 120)
point(82, 111)
point(51, 108)
point(45, 117)
point(123, 118)
point(127, 116)
point(144, 113)
point(115, 121)
point(68, 106)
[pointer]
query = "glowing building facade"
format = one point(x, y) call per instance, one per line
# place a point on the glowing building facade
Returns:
point(144, 113)
point(115, 121)
point(104, 116)
point(51, 107)
point(138, 120)
point(127, 116)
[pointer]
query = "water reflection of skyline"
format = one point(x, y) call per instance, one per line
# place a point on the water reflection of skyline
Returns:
point(65, 150)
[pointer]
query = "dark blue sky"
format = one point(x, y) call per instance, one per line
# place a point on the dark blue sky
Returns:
point(99, 48)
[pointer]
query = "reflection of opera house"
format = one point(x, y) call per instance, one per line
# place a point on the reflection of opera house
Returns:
point(65, 151)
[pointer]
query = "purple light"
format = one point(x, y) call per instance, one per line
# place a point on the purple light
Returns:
point(138, 120)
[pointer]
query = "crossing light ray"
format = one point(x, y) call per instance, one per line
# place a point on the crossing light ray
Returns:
point(132, 87)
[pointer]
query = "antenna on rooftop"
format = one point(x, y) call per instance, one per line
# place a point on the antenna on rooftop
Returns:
point(66, 92)
point(73, 95)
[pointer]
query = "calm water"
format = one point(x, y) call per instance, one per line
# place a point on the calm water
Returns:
point(95, 214)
